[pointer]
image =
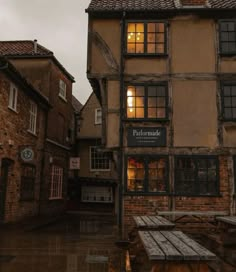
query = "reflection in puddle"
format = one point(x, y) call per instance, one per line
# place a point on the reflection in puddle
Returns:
point(69, 246)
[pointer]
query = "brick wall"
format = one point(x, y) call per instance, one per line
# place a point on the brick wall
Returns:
point(193, 2)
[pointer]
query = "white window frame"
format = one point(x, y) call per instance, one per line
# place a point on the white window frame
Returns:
point(62, 89)
point(33, 117)
point(56, 182)
point(98, 116)
point(100, 157)
point(13, 94)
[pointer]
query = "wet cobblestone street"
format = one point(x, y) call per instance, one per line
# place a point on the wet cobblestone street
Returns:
point(76, 243)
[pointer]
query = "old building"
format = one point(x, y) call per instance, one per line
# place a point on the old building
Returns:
point(164, 72)
point(41, 68)
point(23, 114)
point(96, 180)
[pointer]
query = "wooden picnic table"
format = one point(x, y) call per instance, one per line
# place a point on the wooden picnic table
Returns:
point(173, 251)
point(227, 226)
point(153, 222)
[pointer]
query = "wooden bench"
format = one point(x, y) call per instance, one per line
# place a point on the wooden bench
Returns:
point(153, 222)
point(227, 226)
point(173, 251)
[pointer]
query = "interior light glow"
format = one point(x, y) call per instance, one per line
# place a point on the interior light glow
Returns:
point(129, 93)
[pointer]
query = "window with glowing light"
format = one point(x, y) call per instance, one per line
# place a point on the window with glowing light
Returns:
point(147, 102)
point(146, 38)
point(147, 174)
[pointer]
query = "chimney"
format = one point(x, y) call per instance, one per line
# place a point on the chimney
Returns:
point(35, 46)
point(193, 2)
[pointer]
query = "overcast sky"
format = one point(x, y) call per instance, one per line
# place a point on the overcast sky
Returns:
point(59, 25)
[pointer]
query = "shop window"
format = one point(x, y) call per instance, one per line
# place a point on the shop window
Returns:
point(56, 182)
point(99, 160)
point(228, 98)
point(147, 102)
point(146, 174)
point(227, 37)
point(146, 38)
point(196, 175)
point(28, 176)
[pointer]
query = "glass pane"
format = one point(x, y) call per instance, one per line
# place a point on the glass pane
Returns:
point(131, 48)
point(227, 113)
point(224, 26)
point(202, 175)
point(130, 113)
point(203, 187)
point(139, 91)
point(139, 113)
point(233, 90)
point(152, 91)
point(152, 102)
point(152, 113)
point(234, 112)
point(151, 48)
point(131, 27)
point(160, 37)
point(160, 27)
point(161, 113)
point(161, 101)
point(151, 27)
point(224, 36)
point(139, 27)
point(231, 26)
point(160, 48)
point(231, 36)
point(202, 164)
point(227, 91)
point(232, 47)
point(139, 37)
point(139, 102)
point(225, 47)
point(151, 37)
point(139, 48)
point(161, 91)
point(211, 175)
point(157, 186)
point(227, 101)
point(130, 91)
point(234, 102)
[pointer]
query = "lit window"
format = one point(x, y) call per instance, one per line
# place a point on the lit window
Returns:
point(62, 89)
point(147, 174)
point(56, 182)
point(228, 98)
point(147, 102)
point(99, 160)
point(228, 37)
point(33, 117)
point(13, 97)
point(98, 116)
point(27, 186)
point(196, 175)
point(146, 38)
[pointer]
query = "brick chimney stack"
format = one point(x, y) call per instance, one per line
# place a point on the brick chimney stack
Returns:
point(193, 2)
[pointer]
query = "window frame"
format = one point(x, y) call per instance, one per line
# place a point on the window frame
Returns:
point(146, 22)
point(195, 159)
point(222, 96)
point(33, 113)
point(13, 96)
point(91, 163)
point(97, 121)
point(26, 180)
point(146, 85)
point(220, 36)
point(146, 158)
point(62, 89)
point(56, 185)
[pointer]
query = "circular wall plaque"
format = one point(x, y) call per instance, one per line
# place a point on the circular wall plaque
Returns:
point(27, 154)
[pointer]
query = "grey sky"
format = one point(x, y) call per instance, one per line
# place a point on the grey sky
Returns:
point(59, 25)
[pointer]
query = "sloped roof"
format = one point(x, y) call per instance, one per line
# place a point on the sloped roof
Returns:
point(29, 49)
point(152, 5)
point(76, 104)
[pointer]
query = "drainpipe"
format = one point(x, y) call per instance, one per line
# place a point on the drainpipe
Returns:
point(120, 174)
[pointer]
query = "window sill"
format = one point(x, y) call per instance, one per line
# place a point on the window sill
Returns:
point(63, 98)
point(12, 109)
point(32, 133)
point(145, 55)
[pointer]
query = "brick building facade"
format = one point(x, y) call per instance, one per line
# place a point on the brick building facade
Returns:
point(164, 72)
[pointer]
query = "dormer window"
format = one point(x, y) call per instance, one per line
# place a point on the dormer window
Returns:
point(62, 89)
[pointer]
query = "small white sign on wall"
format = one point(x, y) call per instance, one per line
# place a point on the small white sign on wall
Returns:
point(74, 163)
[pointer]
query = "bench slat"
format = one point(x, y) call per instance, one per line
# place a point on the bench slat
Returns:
point(139, 221)
point(163, 221)
point(148, 221)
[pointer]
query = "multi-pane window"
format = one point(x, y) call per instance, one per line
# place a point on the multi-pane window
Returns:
point(56, 182)
point(147, 102)
point(228, 37)
point(146, 38)
point(196, 175)
point(62, 89)
point(228, 98)
point(33, 117)
point(12, 103)
point(98, 116)
point(28, 176)
point(147, 174)
point(99, 160)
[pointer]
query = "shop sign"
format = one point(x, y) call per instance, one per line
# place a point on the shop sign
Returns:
point(75, 163)
point(27, 154)
point(143, 136)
